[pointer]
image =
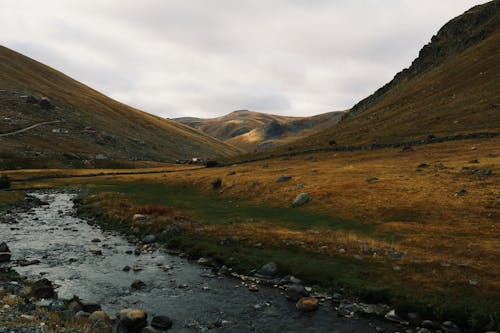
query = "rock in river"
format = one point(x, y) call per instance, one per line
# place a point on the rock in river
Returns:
point(134, 320)
point(307, 304)
point(295, 292)
point(4, 252)
point(138, 284)
point(43, 289)
point(161, 322)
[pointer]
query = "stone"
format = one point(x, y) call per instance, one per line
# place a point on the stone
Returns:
point(32, 99)
point(161, 322)
point(423, 330)
point(283, 179)
point(450, 327)
point(461, 193)
point(138, 284)
point(394, 255)
point(99, 321)
point(301, 199)
point(45, 103)
point(43, 289)
point(253, 288)
point(138, 218)
point(392, 316)
point(149, 239)
point(126, 269)
point(269, 270)
point(90, 307)
point(295, 292)
point(150, 329)
point(96, 240)
point(414, 318)
point(24, 263)
point(307, 304)
point(134, 320)
point(97, 252)
point(204, 261)
point(74, 306)
point(5, 253)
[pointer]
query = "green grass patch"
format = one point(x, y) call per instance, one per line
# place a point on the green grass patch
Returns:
point(214, 209)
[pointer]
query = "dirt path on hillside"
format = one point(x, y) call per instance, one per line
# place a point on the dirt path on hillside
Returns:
point(30, 128)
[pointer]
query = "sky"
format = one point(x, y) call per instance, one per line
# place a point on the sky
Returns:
point(206, 58)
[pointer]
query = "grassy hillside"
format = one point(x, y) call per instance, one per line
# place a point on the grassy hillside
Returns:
point(250, 130)
point(451, 88)
point(92, 125)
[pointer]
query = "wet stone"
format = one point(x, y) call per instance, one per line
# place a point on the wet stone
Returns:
point(161, 322)
point(307, 304)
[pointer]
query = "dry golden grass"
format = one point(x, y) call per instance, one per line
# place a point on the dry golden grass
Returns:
point(457, 97)
point(431, 224)
point(119, 131)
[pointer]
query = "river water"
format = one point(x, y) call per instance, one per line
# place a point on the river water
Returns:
point(189, 293)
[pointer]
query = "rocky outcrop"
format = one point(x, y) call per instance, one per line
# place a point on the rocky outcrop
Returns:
point(453, 38)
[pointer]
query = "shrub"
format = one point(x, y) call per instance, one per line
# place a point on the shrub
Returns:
point(4, 181)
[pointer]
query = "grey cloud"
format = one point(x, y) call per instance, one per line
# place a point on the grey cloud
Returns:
point(200, 58)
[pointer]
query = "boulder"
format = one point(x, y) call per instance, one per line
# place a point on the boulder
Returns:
point(149, 239)
point(307, 304)
point(269, 270)
point(301, 199)
point(45, 103)
point(161, 322)
point(43, 289)
point(100, 322)
point(138, 284)
point(295, 292)
point(5, 254)
point(134, 320)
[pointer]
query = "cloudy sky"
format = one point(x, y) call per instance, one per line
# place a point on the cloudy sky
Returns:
point(206, 58)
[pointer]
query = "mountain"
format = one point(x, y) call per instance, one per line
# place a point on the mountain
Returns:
point(250, 130)
point(451, 88)
point(82, 127)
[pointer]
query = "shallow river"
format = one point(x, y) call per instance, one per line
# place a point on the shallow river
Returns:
point(188, 293)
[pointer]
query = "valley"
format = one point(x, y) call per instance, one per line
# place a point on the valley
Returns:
point(380, 218)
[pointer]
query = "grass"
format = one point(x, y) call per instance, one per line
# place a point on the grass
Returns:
point(410, 210)
point(8, 198)
point(124, 134)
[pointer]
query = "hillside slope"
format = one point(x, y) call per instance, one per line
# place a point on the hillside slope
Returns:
point(93, 130)
point(250, 130)
point(451, 88)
